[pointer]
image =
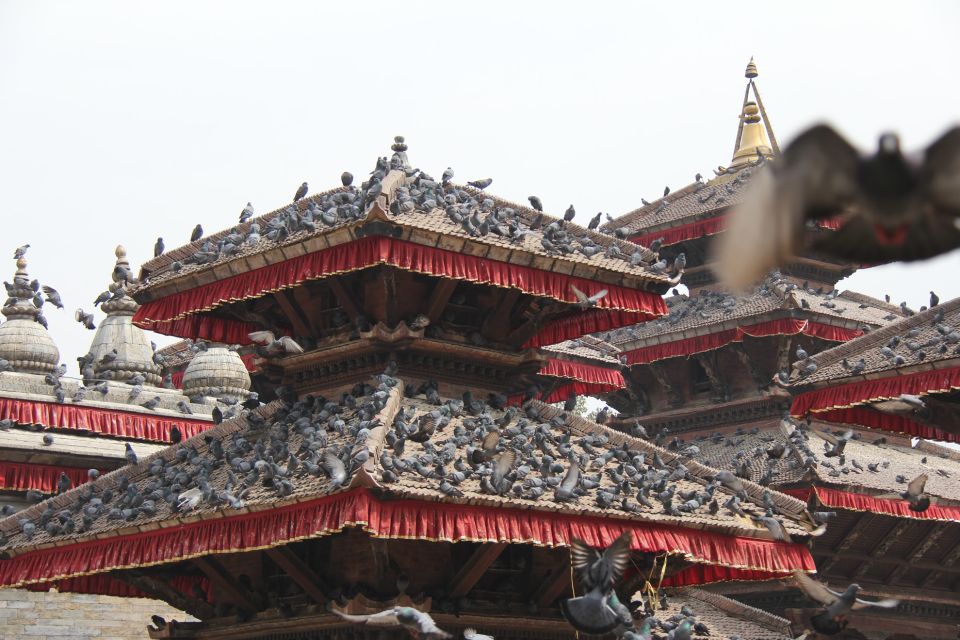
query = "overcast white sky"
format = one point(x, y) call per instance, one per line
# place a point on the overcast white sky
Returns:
point(124, 121)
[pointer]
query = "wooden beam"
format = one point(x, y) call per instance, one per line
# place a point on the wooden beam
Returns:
point(932, 536)
point(496, 325)
point(440, 297)
point(293, 313)
point(312, 584)
point(226, 583)
point(852, 535)
point(160, 590)
point(947, 561)
point(529, 328)
point(474, 568)
point(308, 306)
point(866, 557)
point(883, 546)
point(555, 585)
point(343, 297)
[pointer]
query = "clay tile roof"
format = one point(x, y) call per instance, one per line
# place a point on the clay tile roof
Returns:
point(724, 617)
point(177, 354)
point(588, 349)
point(424, 213)
point(745, 449)
point(278, 424)
point(696, 200)
point(934, 333)
point(890, 460)
point(708, 311)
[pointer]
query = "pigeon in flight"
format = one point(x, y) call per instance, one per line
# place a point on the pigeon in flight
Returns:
point(891, 206)
point(419, 624)
point(835, 605)
point(301, 192)
point(53, 296)
point(275, 345)
point(598, 573)
point(914, 495)
point(84, 318)
point(584, 301)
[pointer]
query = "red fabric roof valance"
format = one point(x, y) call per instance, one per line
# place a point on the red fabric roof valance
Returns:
point(707, 227)
point(621, 305)
point(835, 498)
point(866, 417)
point(22, 476)
point(124, 424)
point(586, 379)
point(854, 393)
point(395, 518)
point(711, 341)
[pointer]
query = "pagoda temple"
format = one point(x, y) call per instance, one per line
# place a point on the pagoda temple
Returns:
point(401, 333)
point(59, 430)
point(762, 383)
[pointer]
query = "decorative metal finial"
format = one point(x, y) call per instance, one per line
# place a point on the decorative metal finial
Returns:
point(751, 113)
point(398, 144)
point(120, 252)
point(21, 266)
point(751, 72)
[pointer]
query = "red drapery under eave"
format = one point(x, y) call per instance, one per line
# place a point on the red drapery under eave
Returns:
point(168, 314)
point(22, 476)
point(585, 379)
point(851, 394)
point(865, 417)
point(711, 341)
point(110, 421)
point(709, 573)
point(835, 498)
point(708, 227)
point(406, 519)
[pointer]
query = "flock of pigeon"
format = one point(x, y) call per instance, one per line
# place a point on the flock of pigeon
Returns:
point(468, 207)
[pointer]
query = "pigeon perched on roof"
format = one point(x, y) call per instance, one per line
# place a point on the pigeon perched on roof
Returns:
point(892, 207)
point(301, 192)
point(246, 213)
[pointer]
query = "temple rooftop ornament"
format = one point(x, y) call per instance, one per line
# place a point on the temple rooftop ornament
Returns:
point(117, 332)
point(216, 372)
point(25, 342)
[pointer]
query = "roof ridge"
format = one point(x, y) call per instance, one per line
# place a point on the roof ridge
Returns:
point(729, 605)
point(631, 216)
point(857, 296)
point(928, 446)
point(877, 336)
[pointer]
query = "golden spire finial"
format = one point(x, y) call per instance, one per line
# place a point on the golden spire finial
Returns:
point(751, 72)
point(755, 139)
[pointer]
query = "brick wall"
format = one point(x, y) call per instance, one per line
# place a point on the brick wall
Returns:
point(34, 615)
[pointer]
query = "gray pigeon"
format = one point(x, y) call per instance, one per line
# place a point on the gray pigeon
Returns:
point(129, 454)
point(158, 248)
point(835, 605)
point(419, 624)
point(196, 234)
point(301, 192)
point(598, 574)
point(893, 207)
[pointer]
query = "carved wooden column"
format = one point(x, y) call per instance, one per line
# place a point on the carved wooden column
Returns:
point(711, 366)
point(674, 395)
point(760, 377)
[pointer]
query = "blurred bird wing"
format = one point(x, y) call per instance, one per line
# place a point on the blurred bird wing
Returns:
point(915, 488)
point(489, 443)
point(581, 296)
point(582, 555)
point(48, 290)
point(816, 590)
point(888, 603)
point(290, 345)
point(471, 634)
point(331, 463)
point(815, 175)
point(504, 462)
point(599, 295)
point(929, 233)
point(829, 437)
point(262, 337)
point(942, 171)
point(618, 554)
point(386, 618)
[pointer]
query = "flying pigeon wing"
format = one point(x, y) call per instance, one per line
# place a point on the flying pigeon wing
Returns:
point(915, 488)
point(888, 603)
point(582, 555)
point(386, 618)
point(290, 345)
point(599, 295)
point(581, 296)
point(815, 590)
point(504, 462)
point(489, 443)
point(942, 171)
point(928, 234)
point(262, 337)
point(618, 555)
point(814, 178)
point(829, 437)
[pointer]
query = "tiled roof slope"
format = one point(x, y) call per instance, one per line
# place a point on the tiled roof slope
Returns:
point(230, 464)
point(708, 311)
point(724, 618)
point(414, 200)
point(877, 464)
point(696, 200)
point(587, 348)
point(922, 339)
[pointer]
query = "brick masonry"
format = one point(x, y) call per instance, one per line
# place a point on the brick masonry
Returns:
point(34, 615)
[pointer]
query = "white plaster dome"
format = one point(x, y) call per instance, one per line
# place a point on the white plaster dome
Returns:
point(217, 371)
